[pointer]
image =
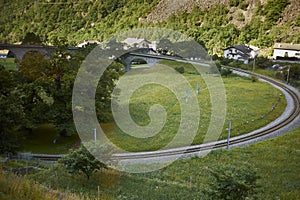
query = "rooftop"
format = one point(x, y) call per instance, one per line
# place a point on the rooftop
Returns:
point(242, 47)
point(288, 46)
point(132, 41)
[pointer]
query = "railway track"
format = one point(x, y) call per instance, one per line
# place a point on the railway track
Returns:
point(253, 136)
point(295, 112)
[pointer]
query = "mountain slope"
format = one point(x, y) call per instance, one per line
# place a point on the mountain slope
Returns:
point(214, 23)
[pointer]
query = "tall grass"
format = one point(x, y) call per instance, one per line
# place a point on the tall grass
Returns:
point(21, 188)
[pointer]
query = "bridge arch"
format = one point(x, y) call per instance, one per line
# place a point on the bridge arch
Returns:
point(20, 50)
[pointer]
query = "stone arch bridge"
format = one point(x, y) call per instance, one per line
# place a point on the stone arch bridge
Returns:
point(20, 50)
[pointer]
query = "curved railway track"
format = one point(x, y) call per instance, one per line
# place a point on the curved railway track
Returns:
point(235, 141)
point(295, 112)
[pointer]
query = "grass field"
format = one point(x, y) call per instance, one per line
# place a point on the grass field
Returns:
point(249, 106)
point(276, 162)
point(42, 141)
point(8, 63)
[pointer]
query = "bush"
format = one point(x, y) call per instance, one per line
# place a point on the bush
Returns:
point(243, 5)
point(240, 16)
point(233, 182)
point(81, 161)
point(297, 22)
point(180, 69)
point(273, 9)
point(225, 72)
point(254, 78)
point(234, 3)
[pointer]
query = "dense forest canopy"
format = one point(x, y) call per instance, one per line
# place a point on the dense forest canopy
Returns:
point(217, 26)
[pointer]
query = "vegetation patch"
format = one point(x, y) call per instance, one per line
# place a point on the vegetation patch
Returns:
point(45, 139)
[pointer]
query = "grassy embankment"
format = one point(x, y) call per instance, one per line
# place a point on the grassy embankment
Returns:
point(276, 162)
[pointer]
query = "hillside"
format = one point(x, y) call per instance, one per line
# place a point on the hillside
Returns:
point(215, 24)
point(166, 8)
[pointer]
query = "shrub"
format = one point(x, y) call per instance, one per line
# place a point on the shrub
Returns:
point(254, 78)
point(180, 69)
point(297, 22)
point(233, 182)
point(225, 72)
point(273, 9)
point(240, 16)
point(243, 5)
point(81, 161)
point(234, 3)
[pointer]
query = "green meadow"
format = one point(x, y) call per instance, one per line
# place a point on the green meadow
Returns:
point(250, 105)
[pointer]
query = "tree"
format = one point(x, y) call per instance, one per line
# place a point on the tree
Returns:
point(32, 39)
point(273, 9)
point(34, 65)
point(232, 182)
point(104, 90)
point(12, 112)
point(81, 161)
point(61, 74)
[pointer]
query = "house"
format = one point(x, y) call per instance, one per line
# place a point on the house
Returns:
point(286, 50)
point(83, 44)
point(138, 43)
point(4, 53)
point(241, 52)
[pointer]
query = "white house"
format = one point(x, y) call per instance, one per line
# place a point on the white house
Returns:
point(241, 52)
point(138, 43)
point(4, 53)
point(83, 44)
point(286, 50)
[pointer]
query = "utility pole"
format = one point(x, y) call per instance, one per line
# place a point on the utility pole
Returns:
point(95, 135)
point(228, 138)
point(288, 75)
point(198, 89)
point(253, 54)
point(187, 96)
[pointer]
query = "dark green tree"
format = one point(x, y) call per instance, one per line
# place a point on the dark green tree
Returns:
point(34, 66)
point(12, 112)
point(104, 90)
point(32, 39)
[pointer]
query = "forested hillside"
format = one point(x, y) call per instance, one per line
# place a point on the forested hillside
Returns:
point(216, 24)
